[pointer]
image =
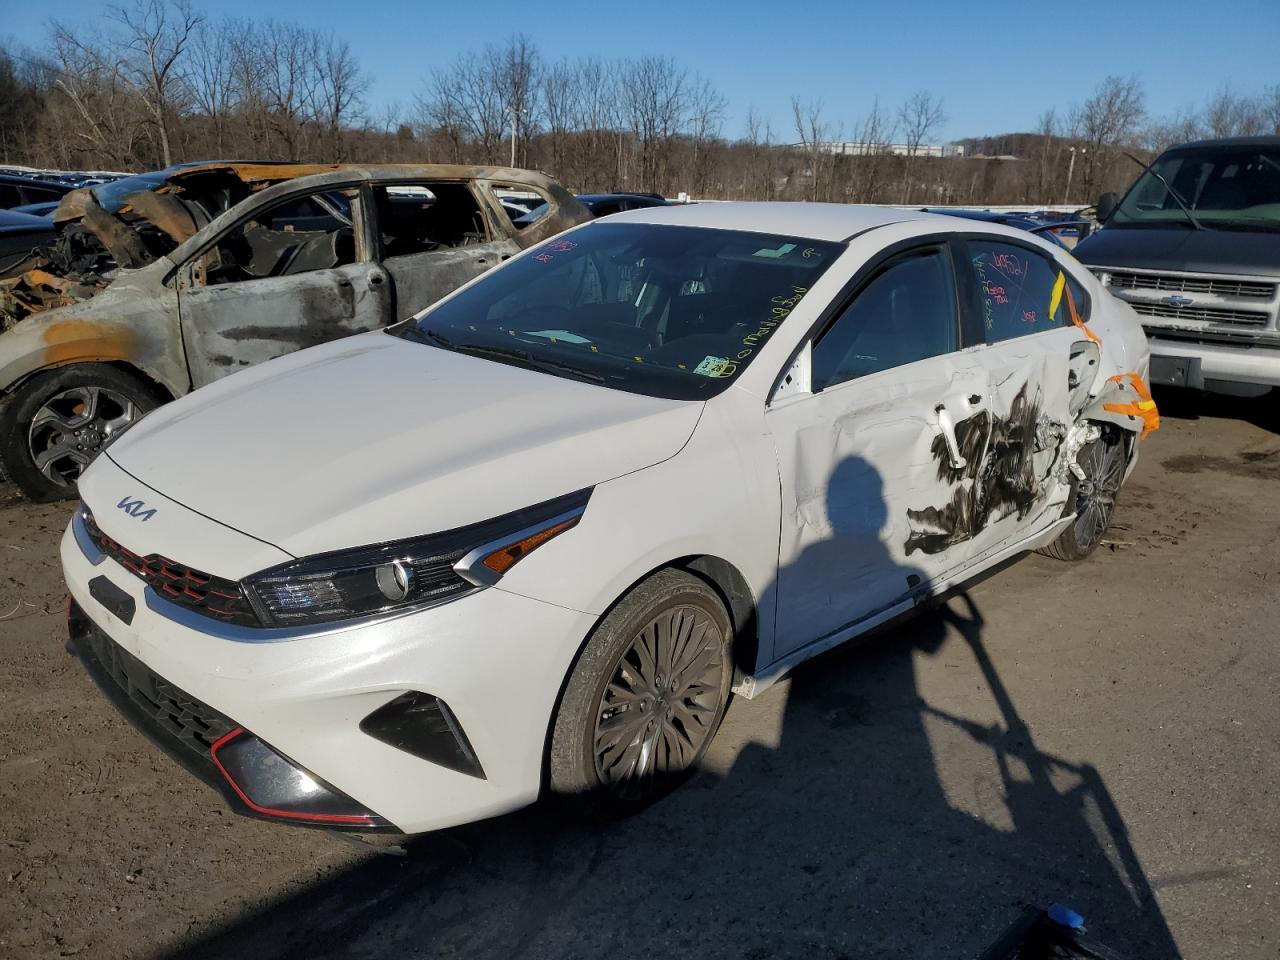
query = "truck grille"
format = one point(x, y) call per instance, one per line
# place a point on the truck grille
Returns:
point(187, 587)
point(1131, 280)
point(1202, 314)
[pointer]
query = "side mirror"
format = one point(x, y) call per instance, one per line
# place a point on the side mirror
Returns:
point(1106, 207)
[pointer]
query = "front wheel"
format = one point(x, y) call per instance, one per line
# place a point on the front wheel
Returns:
point(57, 422)
point(646, 696)
point(1093, 498)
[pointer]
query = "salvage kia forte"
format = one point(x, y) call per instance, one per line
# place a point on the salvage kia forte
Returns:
point(532, 538)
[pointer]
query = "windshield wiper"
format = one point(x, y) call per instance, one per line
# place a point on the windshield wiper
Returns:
point(524, 358)
point(1172, 192)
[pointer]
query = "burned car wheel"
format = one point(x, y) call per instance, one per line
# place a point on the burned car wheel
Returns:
point(1094, 498)
point(646, 697)
point(53, 427)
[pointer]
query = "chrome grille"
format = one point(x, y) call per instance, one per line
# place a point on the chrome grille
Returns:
point(1202, 314)
point(1129, 280)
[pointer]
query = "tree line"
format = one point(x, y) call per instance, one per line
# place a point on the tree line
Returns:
point(157, 82)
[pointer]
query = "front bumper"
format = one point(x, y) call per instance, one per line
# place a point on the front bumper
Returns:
point(496, 659)
point(1192, 362)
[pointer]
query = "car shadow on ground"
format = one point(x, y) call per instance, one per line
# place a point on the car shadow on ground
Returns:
point(1179, 404)
point(836, 838)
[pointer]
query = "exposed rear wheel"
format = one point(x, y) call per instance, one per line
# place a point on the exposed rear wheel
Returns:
point(646, 696)
point(55, 424)
point(1094, 498)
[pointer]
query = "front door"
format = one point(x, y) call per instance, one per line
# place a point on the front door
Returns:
point(290, 276)
point(873, 441)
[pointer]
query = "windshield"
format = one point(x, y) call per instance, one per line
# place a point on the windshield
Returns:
point(1224, 188)
point(662, 310)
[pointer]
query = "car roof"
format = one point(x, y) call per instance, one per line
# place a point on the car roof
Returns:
point(620, 196)
point(1269, 141)
point(21, 179)
point(819, 221)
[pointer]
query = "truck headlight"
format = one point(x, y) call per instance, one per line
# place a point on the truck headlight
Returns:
point(388, 577)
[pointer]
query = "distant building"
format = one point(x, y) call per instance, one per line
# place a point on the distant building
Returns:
point(851, 149)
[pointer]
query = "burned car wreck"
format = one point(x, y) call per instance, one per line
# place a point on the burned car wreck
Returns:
point(158, 284)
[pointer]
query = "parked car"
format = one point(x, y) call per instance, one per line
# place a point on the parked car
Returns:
point(1021, 221)
point(16, 191)
point(1194, 247)
point(545, 526)
point(601, 205)
point(220, 266)
point(44, 209)
point(21, 234)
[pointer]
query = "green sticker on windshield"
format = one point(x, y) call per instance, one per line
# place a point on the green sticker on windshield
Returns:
point(716, 367)
point(775, 252)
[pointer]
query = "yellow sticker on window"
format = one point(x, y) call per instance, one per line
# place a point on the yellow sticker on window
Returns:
point(1055, 299)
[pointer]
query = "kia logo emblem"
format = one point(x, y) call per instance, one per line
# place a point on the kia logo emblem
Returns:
point(137, 509)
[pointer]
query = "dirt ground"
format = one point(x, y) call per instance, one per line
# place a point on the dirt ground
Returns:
point(1103, 733)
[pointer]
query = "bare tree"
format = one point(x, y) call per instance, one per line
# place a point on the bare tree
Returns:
point(211, 78)
point(919, 118)
point(516, 68)
point(156, 35)
point(1108, 119)
point(1269, 107)
point(336, 93)
point(106, 120)
point(874, 136)
point(706, 114)
point(561, 104)
point(1231, 115)
point(656, 92)
point(814, 133)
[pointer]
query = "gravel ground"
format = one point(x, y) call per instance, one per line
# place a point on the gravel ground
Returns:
point(1102, 733)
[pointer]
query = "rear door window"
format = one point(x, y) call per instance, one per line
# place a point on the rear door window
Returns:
point(420, 218)
point(1021, 292)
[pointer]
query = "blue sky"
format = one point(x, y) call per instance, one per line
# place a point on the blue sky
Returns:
point(997, 65)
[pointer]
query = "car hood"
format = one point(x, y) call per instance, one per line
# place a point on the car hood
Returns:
point(1208, 251)
point(374, 438)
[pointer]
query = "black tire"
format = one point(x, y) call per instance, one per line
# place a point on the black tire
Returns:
point(1092, 503)
point(677, 727)
point(61, 398)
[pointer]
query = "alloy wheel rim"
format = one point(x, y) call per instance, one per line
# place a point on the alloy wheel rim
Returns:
point(1096, 495)
point(657, 710)
point(72, 427)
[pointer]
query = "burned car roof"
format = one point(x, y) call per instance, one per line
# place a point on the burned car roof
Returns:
point(96, 236)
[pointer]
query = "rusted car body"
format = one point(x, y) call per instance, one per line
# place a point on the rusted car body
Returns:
point(223, 266)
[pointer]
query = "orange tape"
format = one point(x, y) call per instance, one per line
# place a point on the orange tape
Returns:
point(1144, 408)
point(1075, 318)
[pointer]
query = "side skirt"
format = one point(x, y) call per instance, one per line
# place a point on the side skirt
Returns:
point(752, 686)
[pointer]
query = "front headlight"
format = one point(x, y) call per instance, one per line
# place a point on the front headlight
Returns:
point(387, 577)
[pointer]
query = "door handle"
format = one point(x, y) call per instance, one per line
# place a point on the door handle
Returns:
point(375, 279)
point(948, 428)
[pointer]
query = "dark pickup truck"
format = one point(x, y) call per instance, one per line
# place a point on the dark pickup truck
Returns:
point(1194, 247)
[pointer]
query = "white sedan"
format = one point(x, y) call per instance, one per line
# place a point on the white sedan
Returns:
point(532, 538)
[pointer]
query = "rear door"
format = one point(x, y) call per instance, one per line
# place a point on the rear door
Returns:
point(1039, 365)
point(867, 448)
point(435, 235)
point(291, 274)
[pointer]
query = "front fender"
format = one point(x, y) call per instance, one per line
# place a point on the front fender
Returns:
point(122, 324)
